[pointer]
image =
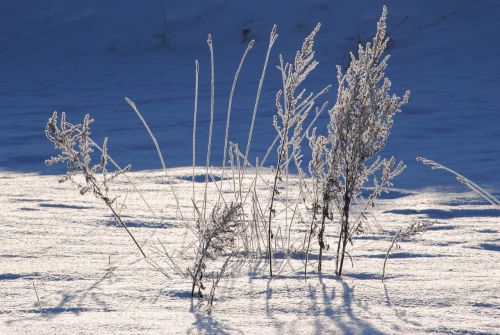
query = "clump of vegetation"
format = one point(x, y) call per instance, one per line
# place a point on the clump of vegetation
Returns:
point(75, 146)
point(343, 160)
point(404, 235)
point(216, 238)
point(359, 127)
point(292, 107)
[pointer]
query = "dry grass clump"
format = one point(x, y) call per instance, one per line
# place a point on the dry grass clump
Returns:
point(244, 220)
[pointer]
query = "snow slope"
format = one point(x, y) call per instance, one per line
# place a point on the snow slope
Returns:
point(86, 56)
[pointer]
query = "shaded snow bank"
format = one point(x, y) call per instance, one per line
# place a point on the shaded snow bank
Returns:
point(84, 57)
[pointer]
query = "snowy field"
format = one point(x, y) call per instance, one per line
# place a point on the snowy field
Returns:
point(66, 267)
point(91, 279)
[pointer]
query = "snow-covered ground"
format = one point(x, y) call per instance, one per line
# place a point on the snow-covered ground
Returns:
point(90, 278)
point(86, 56)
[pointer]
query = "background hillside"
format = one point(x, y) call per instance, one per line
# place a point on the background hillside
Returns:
point(86, 56)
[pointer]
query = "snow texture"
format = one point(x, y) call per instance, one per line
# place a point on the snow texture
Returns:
point(90, 278)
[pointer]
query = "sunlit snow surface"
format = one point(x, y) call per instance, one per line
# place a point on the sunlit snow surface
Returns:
point(90, 278)
point(86, 56)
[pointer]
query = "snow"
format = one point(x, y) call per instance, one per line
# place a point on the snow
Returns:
point(90, 277)
point(86, 56)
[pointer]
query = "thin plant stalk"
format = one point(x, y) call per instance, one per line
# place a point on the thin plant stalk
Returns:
point(281, 157)
point(119, 219)
point(158, 150)
point(230, 105)
point(272, 40)
point(116, 165)
point(212, 107)
point(311, 231)
point(467, 182)
point(37, 299)
point(195, 114)
point(389, 251)
point(278, 136)
point(344, 231)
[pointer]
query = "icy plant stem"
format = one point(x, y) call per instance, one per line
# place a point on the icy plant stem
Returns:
point(215, 284)
point(467, 182)
point(269, 232)
point(110, 206)
point(286, 195)
point(99, 194)
point(322, 234)
point(311, 124)
point(281, 157)
point(272, 39)
point(195, 114)
point(37, 299)
point(231, 159)
point(230, 104)
point(115, 164)
point(256, 209)
point(196, 274)
point(158, 150)
point(119, 219)
point(343, 233)
point(240, 177)
point(311, 230)
point(212, 107)
point(388, 252)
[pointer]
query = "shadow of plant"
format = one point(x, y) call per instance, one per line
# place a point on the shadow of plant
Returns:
point(74, 302)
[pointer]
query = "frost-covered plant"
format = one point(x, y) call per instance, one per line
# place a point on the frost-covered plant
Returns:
point(293, 107)
point(75, 146)
point(216, 278)
point(358, 130)
point(216, 238)
point(403, 235)
point(467, 182)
